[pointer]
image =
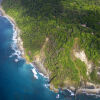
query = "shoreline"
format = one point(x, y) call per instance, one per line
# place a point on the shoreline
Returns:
point(40, 70)
point(16, 29)
point(38, 65)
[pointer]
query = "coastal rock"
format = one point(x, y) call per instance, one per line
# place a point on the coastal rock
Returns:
point(82, 56)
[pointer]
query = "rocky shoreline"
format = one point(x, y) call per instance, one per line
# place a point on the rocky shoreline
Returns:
point(36, 63)
point(89, 88)
point(19, 40)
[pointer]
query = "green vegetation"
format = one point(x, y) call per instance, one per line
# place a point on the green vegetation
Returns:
point(61, 21)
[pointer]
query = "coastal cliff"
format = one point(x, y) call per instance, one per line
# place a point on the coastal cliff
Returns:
point(64, 48)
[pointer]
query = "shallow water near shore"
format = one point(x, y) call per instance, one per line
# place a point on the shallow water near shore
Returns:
point(21, 81)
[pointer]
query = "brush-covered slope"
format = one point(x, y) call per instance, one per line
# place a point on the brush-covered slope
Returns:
point(69, 25)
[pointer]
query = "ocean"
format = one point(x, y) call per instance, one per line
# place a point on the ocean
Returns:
point(21, 81)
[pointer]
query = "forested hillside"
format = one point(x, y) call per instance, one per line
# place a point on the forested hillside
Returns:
point(68, 24)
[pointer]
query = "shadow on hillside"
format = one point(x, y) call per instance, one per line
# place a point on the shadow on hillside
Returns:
point(43, 8)
point(88, 18)
point(54, 9)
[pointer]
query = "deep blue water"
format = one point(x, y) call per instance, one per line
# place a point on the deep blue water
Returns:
point(17, 81)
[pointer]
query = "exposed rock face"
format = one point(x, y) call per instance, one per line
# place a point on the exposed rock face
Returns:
point(39, 59)
point(82, 56)
point(53, 88)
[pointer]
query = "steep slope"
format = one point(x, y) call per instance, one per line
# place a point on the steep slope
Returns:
point(69, 25)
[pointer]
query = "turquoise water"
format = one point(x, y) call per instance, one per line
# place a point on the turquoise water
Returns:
point(17, 81)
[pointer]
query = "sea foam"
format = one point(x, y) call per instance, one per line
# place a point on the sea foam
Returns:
point(96, 95)
point(46, 85)
point(39, 72)
point(57, 96)
point(34, 71)
point(14, 45)
point(72, 93)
